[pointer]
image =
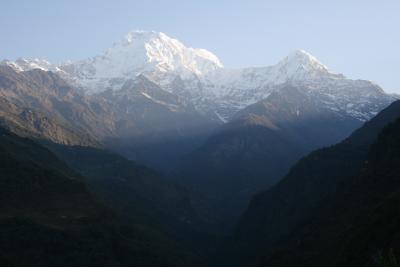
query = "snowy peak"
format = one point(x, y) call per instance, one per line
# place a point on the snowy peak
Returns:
point(300, 66)
point(301, 58)
point(171, 54)
point(153, 54)
point(150, 50)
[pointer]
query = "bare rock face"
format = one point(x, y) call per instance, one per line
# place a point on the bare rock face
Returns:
point(43, 104)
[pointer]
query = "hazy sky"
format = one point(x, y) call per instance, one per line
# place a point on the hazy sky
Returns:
point(360, 39)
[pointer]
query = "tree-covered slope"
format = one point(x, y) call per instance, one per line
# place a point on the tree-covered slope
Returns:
point(274, 214)
point(359, 224)
point(49, 218)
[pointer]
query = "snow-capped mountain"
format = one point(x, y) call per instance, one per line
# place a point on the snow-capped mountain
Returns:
point(152, 54)
point(23, 64)
point(234, 90)
point(198, 77)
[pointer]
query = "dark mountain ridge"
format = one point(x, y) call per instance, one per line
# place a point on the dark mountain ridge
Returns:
point(358, 225)
point(274, 214)
point(49, 218)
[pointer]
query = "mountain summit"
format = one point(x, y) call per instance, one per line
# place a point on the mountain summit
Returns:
point(150, 53)
point(166, 53)
point(300, 65)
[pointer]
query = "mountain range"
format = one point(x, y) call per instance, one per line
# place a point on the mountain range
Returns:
point(177, 159)
point(197, 76)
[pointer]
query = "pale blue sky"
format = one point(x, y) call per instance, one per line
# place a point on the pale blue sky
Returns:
point(360, 38)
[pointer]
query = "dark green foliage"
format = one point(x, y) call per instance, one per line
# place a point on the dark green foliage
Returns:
point(358, 225)
point(388, 259)
point(49, 218)
point(134, 190)
point(273, 215)
point(139, 194)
